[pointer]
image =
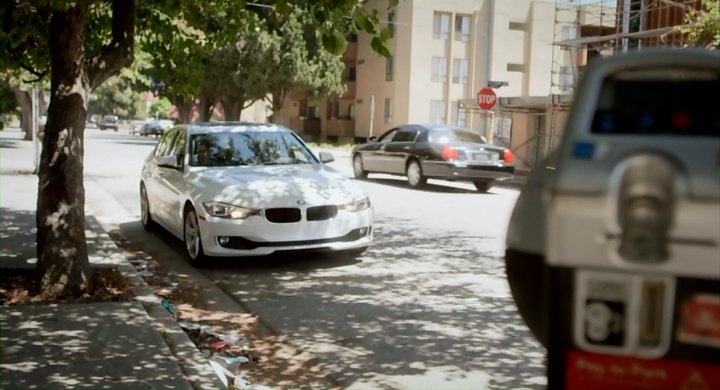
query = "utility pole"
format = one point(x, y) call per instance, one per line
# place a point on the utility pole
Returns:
point(34, 127)
point(372, 114)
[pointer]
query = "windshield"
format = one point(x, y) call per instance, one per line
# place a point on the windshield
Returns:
point(248, 148)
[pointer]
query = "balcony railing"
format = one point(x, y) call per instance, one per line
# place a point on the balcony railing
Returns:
point(308, 128)
point(342, 127)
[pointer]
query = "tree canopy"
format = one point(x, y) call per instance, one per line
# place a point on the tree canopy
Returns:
point(703, 26)
point(79, 44)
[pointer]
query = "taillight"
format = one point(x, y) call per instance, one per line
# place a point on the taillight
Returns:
point(450, 153)
point(508, 156)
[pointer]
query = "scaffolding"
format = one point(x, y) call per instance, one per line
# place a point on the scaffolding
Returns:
point(587, 29)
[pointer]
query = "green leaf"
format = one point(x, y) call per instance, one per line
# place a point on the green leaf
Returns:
point(282, 7)
point(385, 34)
point(334, 42)
point(392, 4)
point(379, 46)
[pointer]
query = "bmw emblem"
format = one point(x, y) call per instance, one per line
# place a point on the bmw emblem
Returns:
point(301, 202)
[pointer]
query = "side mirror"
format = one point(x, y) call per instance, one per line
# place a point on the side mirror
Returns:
point(372, 139)
point(327, 157)
point(168, 162)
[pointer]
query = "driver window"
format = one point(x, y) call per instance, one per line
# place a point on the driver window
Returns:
point(388, 136)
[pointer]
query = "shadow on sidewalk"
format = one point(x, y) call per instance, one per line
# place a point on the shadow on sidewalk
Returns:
point(18, 246)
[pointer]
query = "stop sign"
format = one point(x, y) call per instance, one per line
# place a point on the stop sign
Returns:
point(486, 98)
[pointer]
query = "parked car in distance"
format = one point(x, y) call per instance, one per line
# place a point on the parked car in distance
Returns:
point(156, 127)
point(109, 122)
point(152, 127)
point(434, 151)
point(245, 189)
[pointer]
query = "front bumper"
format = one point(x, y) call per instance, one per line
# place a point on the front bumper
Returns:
point(256, 236)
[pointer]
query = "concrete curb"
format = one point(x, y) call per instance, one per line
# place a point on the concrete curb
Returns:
point(191, 361)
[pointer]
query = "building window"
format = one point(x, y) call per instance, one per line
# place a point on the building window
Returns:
point(439, 70)
point(516, 67)
point(389, 69)
point(351, 73)
point(460, 71)
point(388, 110)
point(517, 26)
point(437, 111)
point(569, 33)
point(462, 27)
point(351, 111)
point(391, 23)
point(313, 112)
point(459, 114)
point(441, 25)
point(567, 80)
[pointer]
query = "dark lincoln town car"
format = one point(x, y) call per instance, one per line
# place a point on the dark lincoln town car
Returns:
point(434, 151)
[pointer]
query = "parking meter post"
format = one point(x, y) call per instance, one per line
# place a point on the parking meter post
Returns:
point(629, 240)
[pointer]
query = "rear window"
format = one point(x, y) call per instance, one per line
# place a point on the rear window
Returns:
point(443, 136)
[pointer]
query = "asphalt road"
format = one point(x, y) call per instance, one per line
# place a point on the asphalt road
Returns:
point(427, 306)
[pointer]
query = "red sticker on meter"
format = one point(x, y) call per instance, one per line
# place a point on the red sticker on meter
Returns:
point(700, 320)
point(589, 371)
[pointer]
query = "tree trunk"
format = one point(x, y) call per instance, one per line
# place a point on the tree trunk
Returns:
point(231, 111)
point(207, 105)
point(278, 100)
point(24, 99)
point(61, 247)
point(184, 108)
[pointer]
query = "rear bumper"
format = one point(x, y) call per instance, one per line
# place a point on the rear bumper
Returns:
point(453, 170)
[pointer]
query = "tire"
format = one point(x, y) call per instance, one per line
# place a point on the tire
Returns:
point(192, 238)
point(145, 216)
point(358, 169)
point(415, 175)
point(482, 186)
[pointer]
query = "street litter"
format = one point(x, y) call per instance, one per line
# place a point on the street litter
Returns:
point(239, 380)
point(230, 337)
point(146, 273)
point(189, 325)
point(219, 345)
point(169, 306)
point(235, 359)
point(139, 263)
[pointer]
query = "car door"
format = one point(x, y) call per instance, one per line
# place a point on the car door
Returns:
point(375, 157)
point(173, 186)
point(400, 149)
point(154, 176)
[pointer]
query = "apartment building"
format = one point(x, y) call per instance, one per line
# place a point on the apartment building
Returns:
point(443, 52)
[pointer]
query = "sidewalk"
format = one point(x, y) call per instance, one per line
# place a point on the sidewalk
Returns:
point(117, 345)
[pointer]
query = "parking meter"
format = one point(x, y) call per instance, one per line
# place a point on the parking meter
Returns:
point(613, 248)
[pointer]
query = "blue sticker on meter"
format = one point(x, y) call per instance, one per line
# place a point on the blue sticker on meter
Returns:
point(584, 150)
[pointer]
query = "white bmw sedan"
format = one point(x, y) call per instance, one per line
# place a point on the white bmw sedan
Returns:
point(245, 189)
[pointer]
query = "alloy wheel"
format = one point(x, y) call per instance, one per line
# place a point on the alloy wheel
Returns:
point(145, 217)
point(414, 174)
point(192, 235)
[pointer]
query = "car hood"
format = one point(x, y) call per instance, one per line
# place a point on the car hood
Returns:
point(274, 186)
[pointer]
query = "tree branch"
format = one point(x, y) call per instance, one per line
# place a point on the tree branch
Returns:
point(119, 52)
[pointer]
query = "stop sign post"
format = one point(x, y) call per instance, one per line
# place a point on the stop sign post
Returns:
point(486, 99)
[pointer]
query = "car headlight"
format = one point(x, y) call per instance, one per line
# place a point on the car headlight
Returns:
point(224, 210)
point(357, 205)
